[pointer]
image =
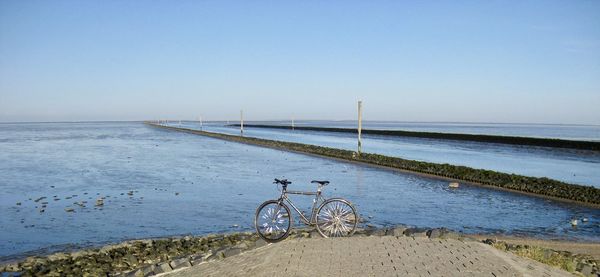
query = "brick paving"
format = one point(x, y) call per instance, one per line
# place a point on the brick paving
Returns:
point(373, 256)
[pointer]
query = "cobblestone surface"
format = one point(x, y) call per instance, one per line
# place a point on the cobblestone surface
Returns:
point(373, 256)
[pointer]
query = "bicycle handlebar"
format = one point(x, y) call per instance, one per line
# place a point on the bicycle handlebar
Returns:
point(283, 182)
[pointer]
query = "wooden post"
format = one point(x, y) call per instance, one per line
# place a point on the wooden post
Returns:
point(359, 126)
point(242, 122)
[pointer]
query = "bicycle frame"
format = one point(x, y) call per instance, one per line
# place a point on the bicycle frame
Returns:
point(316, 202)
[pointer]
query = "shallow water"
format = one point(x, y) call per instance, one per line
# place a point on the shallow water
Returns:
point(560, 131)
point(219, 185)
point(568, 165)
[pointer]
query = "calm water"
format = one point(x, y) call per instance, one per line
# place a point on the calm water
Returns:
point(572, 166)
point(219, 186)
point(562, 131)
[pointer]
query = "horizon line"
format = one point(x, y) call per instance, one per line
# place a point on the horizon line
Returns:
point(300, 120)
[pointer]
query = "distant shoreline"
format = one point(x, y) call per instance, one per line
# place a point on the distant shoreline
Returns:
point(322, 120)
point(512, 140)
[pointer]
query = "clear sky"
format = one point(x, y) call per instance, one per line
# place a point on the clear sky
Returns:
point(473, 61)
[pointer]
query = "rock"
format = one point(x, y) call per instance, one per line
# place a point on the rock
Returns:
point(489, 241)
point(208, 255)
point(454, 185)
point(162, 268)
point(180, 263)
point(315, 234)
point(416, 232)
point(437, 233)
point(397, 231)
point(40, 199)
point(135, 273)
point(218, 255)
point(260, 243)
point(303, 234)
point(148, 270)
point(586, 270)
point(11, 267)
point(244, 245)
point(196, 259)
point(231, 252)
point(130, 260)
point(99, 202)
point(69, 210)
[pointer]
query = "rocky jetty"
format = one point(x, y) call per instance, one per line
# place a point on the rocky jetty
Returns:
point(136, 258)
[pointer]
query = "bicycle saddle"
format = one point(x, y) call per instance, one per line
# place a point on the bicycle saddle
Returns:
point(323, 183)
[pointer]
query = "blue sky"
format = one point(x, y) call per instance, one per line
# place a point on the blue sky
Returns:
point(469, 61)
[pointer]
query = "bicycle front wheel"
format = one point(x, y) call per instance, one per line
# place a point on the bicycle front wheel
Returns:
point(336, 218)
point(273, 221)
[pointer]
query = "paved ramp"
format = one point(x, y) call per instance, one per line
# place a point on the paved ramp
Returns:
point(373, 256)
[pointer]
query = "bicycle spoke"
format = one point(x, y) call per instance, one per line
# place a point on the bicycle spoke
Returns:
point(336, 219)
point(273, 221)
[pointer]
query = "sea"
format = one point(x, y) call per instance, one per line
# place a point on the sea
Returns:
point(159, 183)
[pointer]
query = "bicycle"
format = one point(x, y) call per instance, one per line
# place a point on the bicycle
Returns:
point(334, 217)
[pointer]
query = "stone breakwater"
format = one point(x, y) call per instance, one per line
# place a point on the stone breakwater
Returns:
point(514, 140)
point(531, 185)
point(155, 256)
point(136, 258)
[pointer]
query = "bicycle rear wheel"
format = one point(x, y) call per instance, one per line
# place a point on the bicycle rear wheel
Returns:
point(273, 221)
point(336, 218)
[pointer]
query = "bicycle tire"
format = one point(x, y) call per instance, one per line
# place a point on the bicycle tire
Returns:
point(338, 220)
point(280, 216)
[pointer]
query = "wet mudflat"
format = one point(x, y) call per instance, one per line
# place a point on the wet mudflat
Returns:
point(159, 183)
